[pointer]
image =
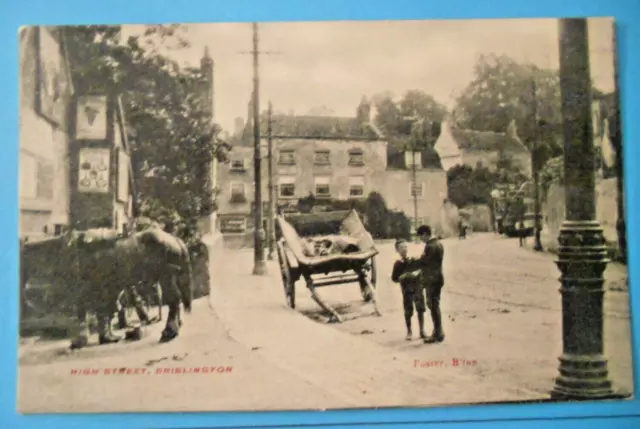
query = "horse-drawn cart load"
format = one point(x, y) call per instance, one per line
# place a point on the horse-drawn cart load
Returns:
point(326, 249)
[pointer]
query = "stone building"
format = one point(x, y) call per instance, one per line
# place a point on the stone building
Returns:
point(75, 169)
point(457, 146)
point(45, 95)
point(426, 198)
point(337, 158)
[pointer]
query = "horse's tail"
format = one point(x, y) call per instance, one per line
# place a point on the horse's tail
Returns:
point(186, 283)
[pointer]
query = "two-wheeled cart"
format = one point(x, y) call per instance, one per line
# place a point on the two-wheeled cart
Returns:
point(353, 264)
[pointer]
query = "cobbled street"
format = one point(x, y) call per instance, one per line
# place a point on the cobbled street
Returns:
point(502, 319)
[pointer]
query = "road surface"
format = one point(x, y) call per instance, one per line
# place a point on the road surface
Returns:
point(502, 313)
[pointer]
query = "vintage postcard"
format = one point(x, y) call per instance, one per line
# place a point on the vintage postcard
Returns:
point(321, 215)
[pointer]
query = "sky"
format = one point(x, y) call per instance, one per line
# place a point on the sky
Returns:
point(332, 65)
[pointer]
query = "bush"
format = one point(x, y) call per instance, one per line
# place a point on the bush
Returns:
point(399, 225)
point(378, 219)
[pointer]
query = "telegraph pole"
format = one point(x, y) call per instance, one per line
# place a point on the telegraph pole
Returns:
point(260, 267)
point(582, 257)
point(270, 221)
point(537, 245)
point(413, 143)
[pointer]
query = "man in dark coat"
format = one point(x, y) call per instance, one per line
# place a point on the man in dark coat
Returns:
point(433, 279)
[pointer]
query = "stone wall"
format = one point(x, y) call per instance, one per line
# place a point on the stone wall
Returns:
point(553, 212)
point(478, 217)
point(396, 190)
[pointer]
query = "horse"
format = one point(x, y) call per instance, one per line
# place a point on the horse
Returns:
point(106, 263)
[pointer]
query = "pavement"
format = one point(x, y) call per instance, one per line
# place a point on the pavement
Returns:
point(503, 324)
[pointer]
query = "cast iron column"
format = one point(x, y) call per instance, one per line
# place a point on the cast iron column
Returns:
point(615, 132)
point(582, 251)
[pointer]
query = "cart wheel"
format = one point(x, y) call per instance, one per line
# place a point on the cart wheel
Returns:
point(287, 282)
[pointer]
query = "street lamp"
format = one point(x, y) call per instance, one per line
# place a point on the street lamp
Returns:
point(582, 256)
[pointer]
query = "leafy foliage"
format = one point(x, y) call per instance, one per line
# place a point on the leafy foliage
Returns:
point(467, 185)
point(552, 172)
point(379, 220)
point(416, 115)
point(172, 137)
point(504, 90)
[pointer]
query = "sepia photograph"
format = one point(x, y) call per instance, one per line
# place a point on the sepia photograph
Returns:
point(321, 215)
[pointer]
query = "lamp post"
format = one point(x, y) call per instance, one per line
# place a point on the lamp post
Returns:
point(616, 138)
point(583, 371)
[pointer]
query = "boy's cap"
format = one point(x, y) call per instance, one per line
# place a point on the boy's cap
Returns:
point(400, 241)
point(424, 229)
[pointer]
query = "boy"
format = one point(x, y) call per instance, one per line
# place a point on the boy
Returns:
point(411, 289)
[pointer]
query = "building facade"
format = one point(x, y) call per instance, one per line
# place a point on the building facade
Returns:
point(45, 94)
point(328, 158)
point(75, 170)
point(457, 146)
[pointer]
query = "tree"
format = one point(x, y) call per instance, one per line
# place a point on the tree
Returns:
point(376, 215)
point(398, 119)
point(466, 185)
point(173, 139)
point(504, 90)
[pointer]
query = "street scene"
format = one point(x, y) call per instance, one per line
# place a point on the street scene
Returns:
point(228, 218)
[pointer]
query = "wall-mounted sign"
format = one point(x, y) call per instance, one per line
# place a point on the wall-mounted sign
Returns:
point(91, 123)
point(52, 82)
point(123, 176)
point(233, 225)
point(93, 170)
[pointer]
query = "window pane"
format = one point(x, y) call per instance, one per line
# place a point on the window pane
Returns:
point(237, 189)
point(356, 191)
point(409, 158)
point(237, 164)
point(286, 157)
point(323, 157)
point(356, 157)
point(287, 190)
point(323, 190)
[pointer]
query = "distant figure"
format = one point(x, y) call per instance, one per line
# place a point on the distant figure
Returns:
point(411, 289)
point(462, 230)
point(522, 236)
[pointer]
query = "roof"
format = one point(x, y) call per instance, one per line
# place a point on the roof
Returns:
point(396, 149)
point(329, 127)
point(487, 141)
point(314, 127)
